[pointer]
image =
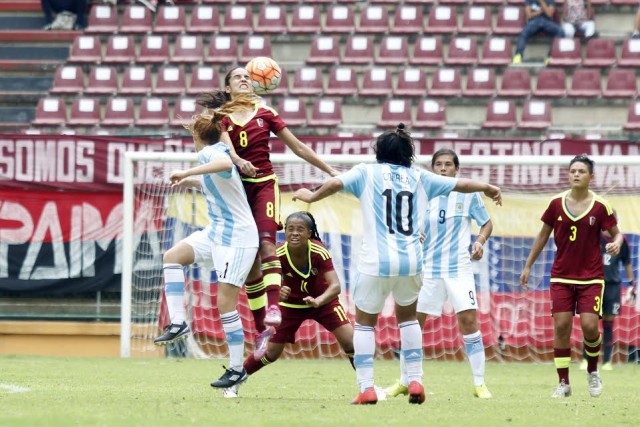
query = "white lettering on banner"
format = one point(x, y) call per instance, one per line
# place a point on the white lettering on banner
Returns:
point(149, 172)
point(11, 211)
point(512, 314)
point(49, 224)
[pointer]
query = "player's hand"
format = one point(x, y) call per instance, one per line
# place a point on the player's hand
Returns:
point(285, 291)
point(495, 194)
point(311, 301)
point(303, 194)
point(630, 295)
point(334, 173)
point(176, 177)
point(477, 250)
point(524, 278)
point(612, 248)
point(247, 168)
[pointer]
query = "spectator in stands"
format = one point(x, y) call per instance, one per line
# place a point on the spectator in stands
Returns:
point(636, 26)
point(539, 14)
point(153, 4)
point(65, 14)
point(577, 15)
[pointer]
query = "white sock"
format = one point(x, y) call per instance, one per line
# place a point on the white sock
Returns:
point(174, 292)
point(411, 346)
point(232, 326)
point(403, 370)
point(475, 352)
point(364, 346)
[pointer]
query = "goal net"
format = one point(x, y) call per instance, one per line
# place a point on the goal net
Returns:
point(516, 325)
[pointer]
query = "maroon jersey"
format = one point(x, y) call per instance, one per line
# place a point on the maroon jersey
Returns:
point(308, 282)
point(251, 138)
point(578, 259)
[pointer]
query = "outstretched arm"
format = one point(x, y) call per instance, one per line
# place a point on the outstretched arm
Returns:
point(330, 187)
point(178, 178)
point(304, 152)
point(538, 245)
point(465, 185)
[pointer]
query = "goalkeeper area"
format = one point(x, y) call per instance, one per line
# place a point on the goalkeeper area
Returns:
point(516, 325)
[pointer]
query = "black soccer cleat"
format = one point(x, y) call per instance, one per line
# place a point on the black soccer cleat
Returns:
point(173, 333)
point(230, 378)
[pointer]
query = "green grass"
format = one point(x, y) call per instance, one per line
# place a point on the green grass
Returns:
point(46, 391)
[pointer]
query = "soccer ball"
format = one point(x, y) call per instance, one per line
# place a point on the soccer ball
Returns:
point(265, 74)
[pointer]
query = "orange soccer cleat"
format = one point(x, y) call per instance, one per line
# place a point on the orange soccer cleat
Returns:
point(367, 397)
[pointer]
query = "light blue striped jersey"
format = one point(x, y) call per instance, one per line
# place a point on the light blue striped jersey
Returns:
point(448, 233)
point(393, 198)
point(232, 222)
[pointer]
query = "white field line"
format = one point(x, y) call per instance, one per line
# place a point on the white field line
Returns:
point(12, 388)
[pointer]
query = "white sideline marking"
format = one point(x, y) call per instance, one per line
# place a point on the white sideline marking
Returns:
point(12, 388)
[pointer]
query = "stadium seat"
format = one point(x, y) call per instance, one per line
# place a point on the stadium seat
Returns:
point(339, 19)
point(633, 116)
point(136, 19)
point(501, 114)
point(510, 20)
point(462, 51)
point(430, 114)
point(222, 50)
point(170, 19)
point(69, 79)
point(272, 19)
point(103, 80)
point(621, 83)
point(203, 79)
point(307, 81)
point(427, 51)
point(135, 81)
point(118, 112)
point(326, 113)
point(630, 54)
point(183, 111)
point(551, 83)
point(442, 20)
point(395, 111)
point(408, 19)
point(476, 20)
point(85, 49)
point(374, 19)
point(376, 82)
point(153, 112)
point(204, 19)
point(481, 82)
point(359, 50)
point(600, 52)
point(324, 50)
point(566, 52)
point(103, 19)
point(446, 82)
point(237, 19)
point(188, 49)
point(170, 80)
point(536, 115)
point(50, 112)
point(305, 19)
point(120, 50)
point(342, 81)
point(253, 46)
point(154, 49)
point(393, 50)
point(293, 111)
point(585, 83)
point(84, 112)
point(411, 82)
point(516, 82)
point(496, 51)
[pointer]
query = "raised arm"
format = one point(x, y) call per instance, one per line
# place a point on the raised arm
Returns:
point(304, 152)
point(465, 185)
point(332, 291)
point(538, 244)
point(332, 186)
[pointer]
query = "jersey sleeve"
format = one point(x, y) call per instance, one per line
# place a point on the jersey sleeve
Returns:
point(354, 180)
point(548, 217)
point(609, 219)
point(478, 210)
point(276, 122)
point(436, 185)
point(214, 152)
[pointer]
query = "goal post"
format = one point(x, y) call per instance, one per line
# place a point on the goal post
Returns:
point(516, 325)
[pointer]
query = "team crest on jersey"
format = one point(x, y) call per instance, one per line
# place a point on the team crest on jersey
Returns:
point(592, 220)
point(458, 207)
point(314, 271)
point(260, 122)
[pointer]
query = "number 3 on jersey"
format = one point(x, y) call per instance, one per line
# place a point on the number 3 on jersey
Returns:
point(400, 209)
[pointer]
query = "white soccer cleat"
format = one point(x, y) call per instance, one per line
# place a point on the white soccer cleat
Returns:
point(595, 384)
point(563, 390)
point(231, 392)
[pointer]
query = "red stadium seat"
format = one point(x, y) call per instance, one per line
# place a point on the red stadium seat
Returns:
point(326, 113)
point(237, 19)
point(204, 19)
point(103, 19)
point(118, 112)
point(501, 114)
point(305, 19)
point(203, 79)
point(376, 82)
point(600, 52)
point(630, 55)
point(153, 112)
point(84, 112)
point(516, 82)
point(411, 82)
point(136, 19)
point(170, 19)
point(86, 49)
point(154, 49)
point(393, 50)
point(222, 50)
point(395, 111)
point(427, 51)
point(535, 115)
point(184, 109)
point(481, 82)
point(431, 114)
point(293, 111)
point(253, 46)
point(566, 52)
point(621, 83)
point(359, 50)
point(69, 79)
point(446, 82)
point(307, 81)
point(188, 49)
point(442, 20)
point(551, 82)
point(585, 83)
point(476, 20)
point(342, 81)
point(120, 50)
point(374, 19)
point(462, 51)
point(510, 20)
point(324, 50)
point(408, 19)
point(50, 112)
point(272, 19)
point(102, 81)
point(170, 80)
point(136, 81)
point(339, 19)
point(496, 51)
point(633, 117)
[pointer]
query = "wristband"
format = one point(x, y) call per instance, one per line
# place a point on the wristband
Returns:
point(483, 238)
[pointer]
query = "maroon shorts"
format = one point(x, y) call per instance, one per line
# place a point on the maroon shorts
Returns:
point(576, 298)
point(264, 199)
point(331, 316)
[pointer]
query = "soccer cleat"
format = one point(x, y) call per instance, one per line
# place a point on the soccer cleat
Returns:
point(397, 389)
point(607, 366)
point(583, 365)
point(273, 316)
point(517, 59)
point(595, 384)
point(262, 342)
point(367, 397)
point(231, 392)
point(174, 332)
point(230, 378)
point(481, 391)
point(416, 392)
point(563, 390)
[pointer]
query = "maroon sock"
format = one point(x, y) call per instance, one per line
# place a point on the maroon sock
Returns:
point(562, 359)
point(252, 365)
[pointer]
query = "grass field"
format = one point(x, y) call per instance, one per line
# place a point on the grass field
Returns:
point(44, 391)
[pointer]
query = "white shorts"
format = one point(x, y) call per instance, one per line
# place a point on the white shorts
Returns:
point(233, 264)
point(202, 246)
point(460, 290)
point(370, 292)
